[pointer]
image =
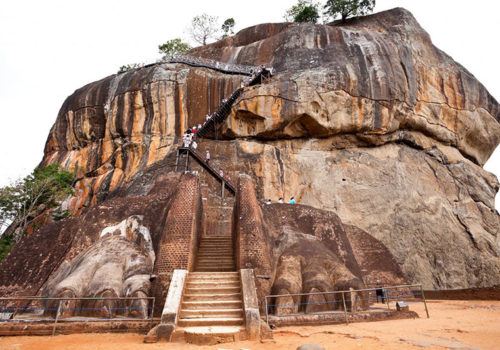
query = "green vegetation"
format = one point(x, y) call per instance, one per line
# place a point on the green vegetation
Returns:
point(6, 244)
point(172, 48)
point(27, 198)
point(303, 11)
point(127, 67)
point(227, 27)
point(348, 8)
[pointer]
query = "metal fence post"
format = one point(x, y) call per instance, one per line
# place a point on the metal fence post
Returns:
point(387, 298)
point(425, 302)
point(152, 312)
point(57, 317)
point(267, 312)
point(345, 308)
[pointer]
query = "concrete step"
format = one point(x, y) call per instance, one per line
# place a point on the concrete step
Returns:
point(214, 275)
point(215, 268)
point(210, 290)
point(213, 278)
point(211, 313)
point(220, 258)
point(209, 283)
point(215, 255)
point(193, 322)
point(212, 296)
point(207, 335)
point(234, 281)
point(216, 304)
point(216, 263)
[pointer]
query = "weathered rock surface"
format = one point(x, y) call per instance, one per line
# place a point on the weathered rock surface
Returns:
point(367, 124)
point(375, 76)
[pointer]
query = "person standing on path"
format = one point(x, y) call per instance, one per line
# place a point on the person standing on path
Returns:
point(292, 200)
point(207, 157)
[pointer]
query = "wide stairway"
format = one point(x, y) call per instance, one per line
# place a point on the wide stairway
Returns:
point(212, 299)
point(212, 305)
point(215, 254)
point(212, 309)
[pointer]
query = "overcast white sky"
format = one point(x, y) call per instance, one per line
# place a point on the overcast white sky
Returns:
point(50, 48)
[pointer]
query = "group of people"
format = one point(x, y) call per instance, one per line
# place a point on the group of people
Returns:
point(254, 74)
point(188, 138)
point(292, 201)
point(227, 179)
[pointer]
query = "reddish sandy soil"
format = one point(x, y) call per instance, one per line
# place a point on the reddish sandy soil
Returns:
point(453, 325)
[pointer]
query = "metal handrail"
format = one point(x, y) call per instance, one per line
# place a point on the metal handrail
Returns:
point(213, 64)
point(342, 292)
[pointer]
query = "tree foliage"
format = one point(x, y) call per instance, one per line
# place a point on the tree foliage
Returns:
point(172, 48)
point(308, 14)
point(303, 11)
point(204, 28)
point(6, 244)
point(348, 8)
point(228, 27)
point(24, 200)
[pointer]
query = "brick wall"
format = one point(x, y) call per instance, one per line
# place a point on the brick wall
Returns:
point(179, 241)
point(252, 244)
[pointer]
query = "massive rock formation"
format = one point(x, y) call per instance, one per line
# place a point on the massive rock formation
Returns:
point(366, 123)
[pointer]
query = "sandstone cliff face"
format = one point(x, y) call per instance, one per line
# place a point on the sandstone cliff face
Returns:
point(368, 120)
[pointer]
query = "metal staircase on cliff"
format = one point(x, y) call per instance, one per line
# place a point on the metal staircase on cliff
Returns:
point(257, 74)
point(209, 129)
point(196, 156)
point(212, 299)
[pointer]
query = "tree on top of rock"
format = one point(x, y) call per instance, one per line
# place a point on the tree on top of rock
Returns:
point(348, 8)
point(228, 27)
point(204, 28)
point(304, 11)
point(173, 48)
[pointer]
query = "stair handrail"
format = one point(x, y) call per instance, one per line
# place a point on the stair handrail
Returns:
point(204, 164)
point(217, 65)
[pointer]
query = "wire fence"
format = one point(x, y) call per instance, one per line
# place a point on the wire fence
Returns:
point(213, 64)
point(346, 301)
point(31, 310)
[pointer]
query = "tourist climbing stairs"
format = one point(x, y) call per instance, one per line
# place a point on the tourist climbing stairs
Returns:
point(180, 162)
point(212, 301)
point(257, 74)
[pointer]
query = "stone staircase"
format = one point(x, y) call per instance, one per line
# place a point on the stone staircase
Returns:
point(212, 299)
point(215, 254)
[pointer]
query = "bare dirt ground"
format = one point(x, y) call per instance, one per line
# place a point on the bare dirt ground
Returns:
point(452, 325)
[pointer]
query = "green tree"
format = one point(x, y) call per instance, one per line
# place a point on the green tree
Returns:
point(308, 14)
point(348, 8)
point(303, 11)
point(6, 244)
point(173, 48)
point(23, 201)
point(204, 28)
point(228, 27)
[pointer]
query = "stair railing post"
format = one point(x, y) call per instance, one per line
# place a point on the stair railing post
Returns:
point(223, 186)
point(425, 302)
point(57, 317)
point(345, 308)
point(267, 311)
point(187, 161)
point(176, 160)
